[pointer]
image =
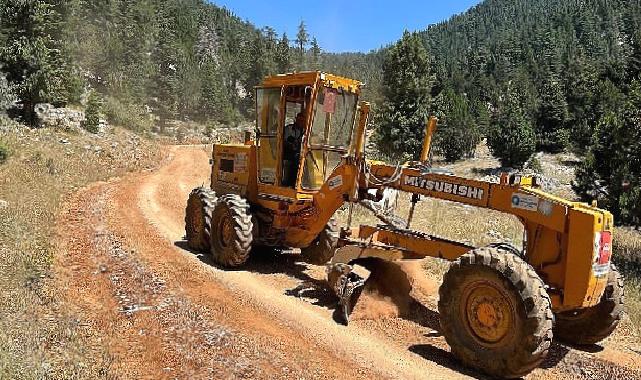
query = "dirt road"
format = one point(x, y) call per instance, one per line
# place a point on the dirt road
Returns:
point(161, 311)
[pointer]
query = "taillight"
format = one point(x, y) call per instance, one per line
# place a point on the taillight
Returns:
point(602, 247)
point(605, 250)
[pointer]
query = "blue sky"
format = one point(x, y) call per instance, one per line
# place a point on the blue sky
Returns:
point(352, 25)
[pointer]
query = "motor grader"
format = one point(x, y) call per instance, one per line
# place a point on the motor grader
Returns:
point(499, 305)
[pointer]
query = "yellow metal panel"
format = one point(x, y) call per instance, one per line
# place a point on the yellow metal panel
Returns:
point(546, 252)
point(542, 209)
point(415, 245)
point(313, 78)
point(293, 79)
point(347, 84)
point(581, 286)
point(309, 219)
point(438, 186)
point(231, 172)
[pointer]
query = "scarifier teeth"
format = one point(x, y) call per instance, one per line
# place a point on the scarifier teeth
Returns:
point(346, 313)
point(347, 286)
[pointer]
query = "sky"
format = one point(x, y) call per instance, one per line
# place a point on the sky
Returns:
point(348, 25)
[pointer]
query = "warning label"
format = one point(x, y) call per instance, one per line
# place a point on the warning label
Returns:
point(525, 202)
point(335, 182)
point(240, 163)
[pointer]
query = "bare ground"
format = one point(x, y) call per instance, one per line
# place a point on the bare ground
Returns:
point(157, 310)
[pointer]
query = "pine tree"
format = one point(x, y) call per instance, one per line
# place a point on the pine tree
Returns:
point(316, 54)
point(552, 116)
point(611, 172)
point(166, 84)
point(33, 57)
point(511, 139)
point(407, 85)
point(260, 66)
point(458, 135)
point(302, 38)
point(283, 57)
point(271, 50)
point(580, 92)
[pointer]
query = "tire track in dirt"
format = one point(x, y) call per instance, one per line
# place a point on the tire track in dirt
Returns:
point(270, 319)
point(265, 291)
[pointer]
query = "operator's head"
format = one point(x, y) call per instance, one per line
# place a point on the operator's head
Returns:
point(300, 119)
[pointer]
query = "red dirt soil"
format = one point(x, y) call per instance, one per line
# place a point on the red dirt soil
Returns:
point(162, 311)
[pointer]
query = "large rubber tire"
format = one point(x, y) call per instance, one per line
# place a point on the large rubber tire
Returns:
point(323, 247)
point(592, 325)
point(495, 313)
point(231, 233)
point(200, 207)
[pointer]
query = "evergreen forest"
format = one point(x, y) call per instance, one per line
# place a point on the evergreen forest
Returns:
point(526, 75)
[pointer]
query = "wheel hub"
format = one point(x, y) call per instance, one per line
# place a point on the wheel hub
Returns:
point(489, 313)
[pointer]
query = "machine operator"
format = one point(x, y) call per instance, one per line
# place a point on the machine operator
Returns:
point(293, 137)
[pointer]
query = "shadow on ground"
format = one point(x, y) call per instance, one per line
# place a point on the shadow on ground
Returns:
point(274, 261)
point(318, 292)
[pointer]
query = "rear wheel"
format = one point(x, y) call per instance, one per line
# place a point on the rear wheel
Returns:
point(322, 248)
point(200, 206)
point(592, 325)
point(231, 233)
point(495, 313)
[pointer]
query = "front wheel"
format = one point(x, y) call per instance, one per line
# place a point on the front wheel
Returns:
point(495, 313)
point(322, 248)
point(592, 325)
point(231, 231)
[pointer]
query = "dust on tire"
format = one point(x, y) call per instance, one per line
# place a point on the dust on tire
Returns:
point(231, 232)
point(592, 325)
point(322, 248)
point(526, 344)
point(198, 213)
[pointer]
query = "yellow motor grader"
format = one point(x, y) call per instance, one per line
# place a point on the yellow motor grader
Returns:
point(499, 305)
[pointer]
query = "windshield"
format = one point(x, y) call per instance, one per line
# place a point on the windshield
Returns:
point(334, 116)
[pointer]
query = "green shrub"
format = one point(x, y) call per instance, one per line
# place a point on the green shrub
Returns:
point(92, 113)
point(127, 115)
point(535, 164)
point(554, 141)
point(459, 135)
point(611, 171)
point(4, 152)
point(512, 139)
point(7, 96)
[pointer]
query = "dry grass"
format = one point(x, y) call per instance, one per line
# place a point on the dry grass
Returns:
point(627, 256)
point(38, 337)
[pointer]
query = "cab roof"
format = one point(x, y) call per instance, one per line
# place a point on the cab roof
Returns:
point(311, 78)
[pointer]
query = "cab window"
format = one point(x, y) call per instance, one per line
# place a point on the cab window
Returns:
point(268, 119)
point(332, 128)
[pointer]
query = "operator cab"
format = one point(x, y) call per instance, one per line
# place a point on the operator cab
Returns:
point(305, 123)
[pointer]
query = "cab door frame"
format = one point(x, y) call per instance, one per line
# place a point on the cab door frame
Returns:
point(276, 192)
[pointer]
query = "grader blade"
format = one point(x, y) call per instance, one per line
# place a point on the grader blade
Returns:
point(371, 288)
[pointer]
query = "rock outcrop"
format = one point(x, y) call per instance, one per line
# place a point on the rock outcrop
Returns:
point(63, 118)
